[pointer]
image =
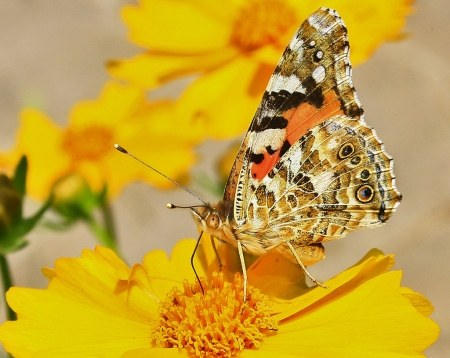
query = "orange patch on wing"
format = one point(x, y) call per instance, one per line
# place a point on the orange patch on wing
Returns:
point(259, 171)
point(300, 121)
point(307, 116)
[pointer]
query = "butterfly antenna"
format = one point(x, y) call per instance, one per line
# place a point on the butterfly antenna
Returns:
point(170, 206)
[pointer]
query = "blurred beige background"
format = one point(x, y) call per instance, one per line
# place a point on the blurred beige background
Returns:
point(53, 53)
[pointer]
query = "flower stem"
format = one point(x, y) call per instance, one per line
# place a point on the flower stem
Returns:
point(109, 225)
point(7, 284)
point(105, 231)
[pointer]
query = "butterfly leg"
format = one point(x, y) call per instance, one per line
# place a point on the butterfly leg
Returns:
point(192, 262)
point(244, 268)
point(299, 261)
point(213, 243)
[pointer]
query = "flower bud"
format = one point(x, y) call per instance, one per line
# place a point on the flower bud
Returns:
point(10, 203)
point(72, 196)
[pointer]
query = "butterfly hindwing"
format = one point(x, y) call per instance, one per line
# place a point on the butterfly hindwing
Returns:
point(336, 179)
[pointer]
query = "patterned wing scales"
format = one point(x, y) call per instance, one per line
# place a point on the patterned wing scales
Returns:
point(336, 179)
point(311, 84)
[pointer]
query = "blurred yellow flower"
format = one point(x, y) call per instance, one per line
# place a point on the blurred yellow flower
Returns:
point(226, 161)
point(85, 146)
point(97, 306)
point(234, 47)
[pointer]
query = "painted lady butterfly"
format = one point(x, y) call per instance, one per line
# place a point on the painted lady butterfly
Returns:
point(309, 169)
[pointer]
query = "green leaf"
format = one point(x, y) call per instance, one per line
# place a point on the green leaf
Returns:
point(13, 239)
point(25, 226)
point(11, 244)
point(20, 176)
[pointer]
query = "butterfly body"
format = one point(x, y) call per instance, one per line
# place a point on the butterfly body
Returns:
point(309, 169)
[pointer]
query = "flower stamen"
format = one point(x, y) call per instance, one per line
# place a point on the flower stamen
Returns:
point(90, 143)
point(216, 324)
point(262, 22)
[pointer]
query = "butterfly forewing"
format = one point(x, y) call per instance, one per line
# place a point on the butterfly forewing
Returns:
point(311, 83)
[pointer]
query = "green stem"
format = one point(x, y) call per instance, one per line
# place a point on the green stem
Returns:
point(110, 227)
point(7, 284)
point(105, 231)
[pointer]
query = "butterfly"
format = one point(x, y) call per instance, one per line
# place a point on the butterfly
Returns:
point(309, 169)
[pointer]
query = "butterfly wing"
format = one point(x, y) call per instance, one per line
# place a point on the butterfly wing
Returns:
point(309, 168)
point(337, 178)
point(311, 83)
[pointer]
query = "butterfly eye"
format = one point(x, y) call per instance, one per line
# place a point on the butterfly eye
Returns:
point(346, 151)
point(213, 221)
point(365, 193)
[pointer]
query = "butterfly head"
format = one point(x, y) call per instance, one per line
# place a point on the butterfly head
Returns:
point(214, 219)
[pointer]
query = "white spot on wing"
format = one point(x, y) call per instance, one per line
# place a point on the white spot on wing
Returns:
point(279, 82)
point(296, 45)
point(322, 181)
point(269, 137)
point(319, 74)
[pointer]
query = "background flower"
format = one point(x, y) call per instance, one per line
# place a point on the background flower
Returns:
point(86, 145)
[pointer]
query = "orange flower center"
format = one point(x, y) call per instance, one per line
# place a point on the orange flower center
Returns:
point(217, 323)
point(261, 23)
point(90, 143)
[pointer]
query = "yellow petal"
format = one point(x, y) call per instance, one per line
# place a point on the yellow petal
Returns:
point(87, 330)
point(152, 69)
point(209, 98)
point(48, 272)
point(98, 315)
point(165, 273)
point(344, 282)
point(420, 302)
point(164, 141)
point(277, 276)
point(157, 352)
point(374, 320)
point(37, 138)
point(174, 26)
point(139, 277)
point(115, 104)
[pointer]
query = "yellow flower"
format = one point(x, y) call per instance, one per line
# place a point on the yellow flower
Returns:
point(234, 48)
point(86, 145)
point(97, 306)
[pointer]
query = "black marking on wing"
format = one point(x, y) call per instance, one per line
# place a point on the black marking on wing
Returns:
point(315, 94)
point(285, 147)
point(270, 151)
point(256, 158)
point(267, 122)
point(273, 101)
